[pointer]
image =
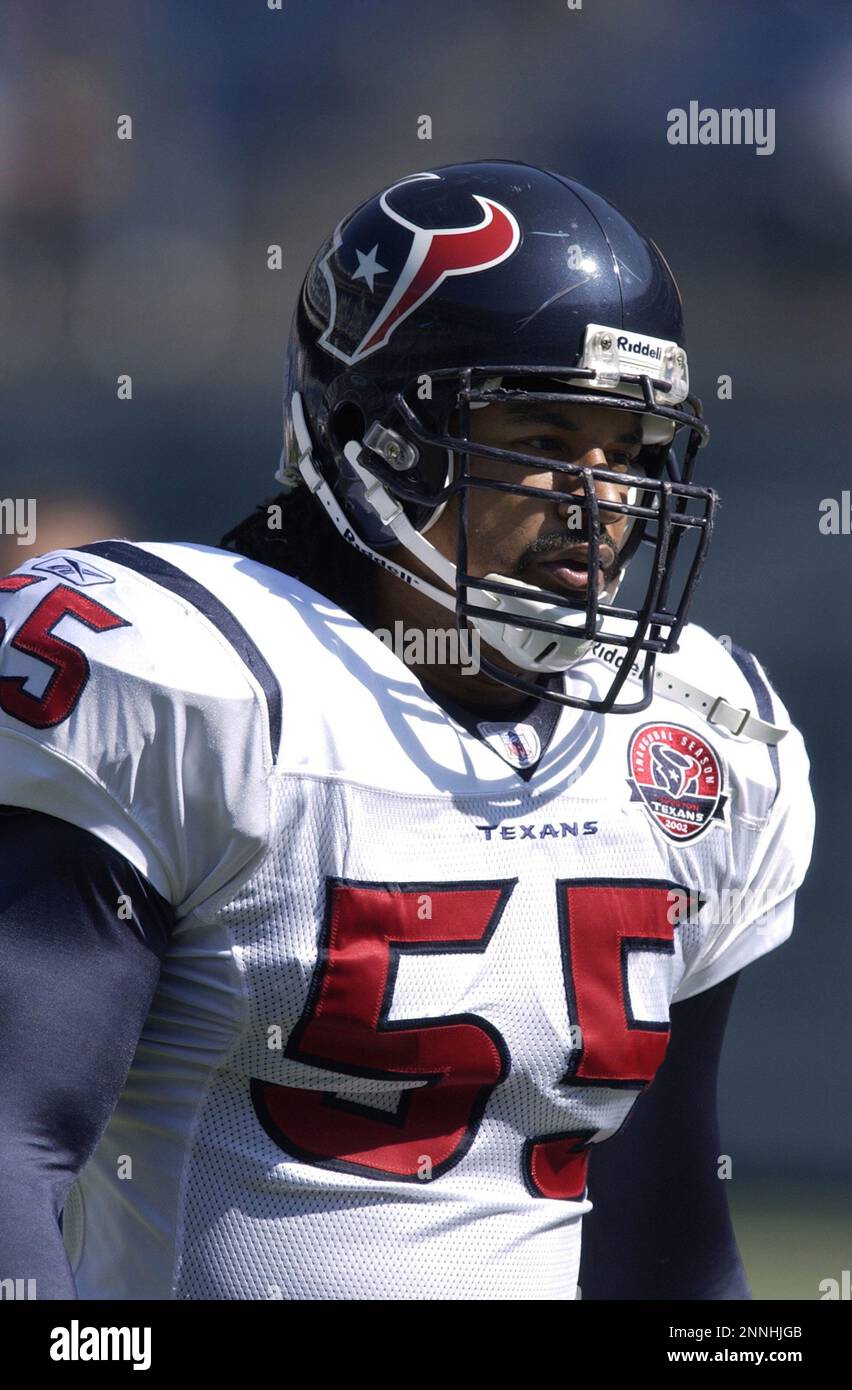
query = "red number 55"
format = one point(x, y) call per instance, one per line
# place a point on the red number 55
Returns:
point(345, 1027)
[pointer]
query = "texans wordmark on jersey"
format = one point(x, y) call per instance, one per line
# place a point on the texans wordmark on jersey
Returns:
point(418, 969)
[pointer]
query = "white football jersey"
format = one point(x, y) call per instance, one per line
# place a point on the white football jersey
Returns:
point(418, 969)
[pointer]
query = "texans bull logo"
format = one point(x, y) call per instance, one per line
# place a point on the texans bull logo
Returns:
point(672, 771)
point(433, 254)
point(679, 778)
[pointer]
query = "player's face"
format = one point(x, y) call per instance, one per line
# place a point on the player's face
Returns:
point(531, 538)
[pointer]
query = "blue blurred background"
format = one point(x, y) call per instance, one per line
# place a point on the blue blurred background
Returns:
point(254, 127)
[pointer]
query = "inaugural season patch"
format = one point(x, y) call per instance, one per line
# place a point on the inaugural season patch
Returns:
point(679, 777)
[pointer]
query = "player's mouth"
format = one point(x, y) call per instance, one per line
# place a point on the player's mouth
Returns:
point(570, 569)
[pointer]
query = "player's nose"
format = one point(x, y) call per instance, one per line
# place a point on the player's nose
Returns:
point(605, 490)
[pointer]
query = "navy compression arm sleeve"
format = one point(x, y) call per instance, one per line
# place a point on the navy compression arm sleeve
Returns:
point(660, 1227)
point(76, 982)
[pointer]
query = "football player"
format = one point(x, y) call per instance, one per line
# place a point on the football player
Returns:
point(373, 887)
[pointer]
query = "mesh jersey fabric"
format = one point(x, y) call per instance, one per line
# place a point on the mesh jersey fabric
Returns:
point(406, 986)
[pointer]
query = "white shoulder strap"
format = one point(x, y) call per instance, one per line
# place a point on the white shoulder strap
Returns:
point(717, 710)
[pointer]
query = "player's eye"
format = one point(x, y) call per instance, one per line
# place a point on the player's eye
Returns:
point(545, 443)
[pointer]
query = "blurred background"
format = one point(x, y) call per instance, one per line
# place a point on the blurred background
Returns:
point(254, 127)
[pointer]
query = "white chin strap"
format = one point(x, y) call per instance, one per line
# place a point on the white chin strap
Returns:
point(526, 647)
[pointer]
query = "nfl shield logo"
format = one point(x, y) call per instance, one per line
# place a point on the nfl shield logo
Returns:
point(517, 744)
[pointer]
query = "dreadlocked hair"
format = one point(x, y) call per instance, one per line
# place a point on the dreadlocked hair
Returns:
point(292, 533)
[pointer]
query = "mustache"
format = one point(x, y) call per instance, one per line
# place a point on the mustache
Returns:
point(546, 546)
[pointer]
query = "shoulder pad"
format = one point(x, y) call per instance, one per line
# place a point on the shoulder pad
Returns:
point(128, 708)
point(762, 772)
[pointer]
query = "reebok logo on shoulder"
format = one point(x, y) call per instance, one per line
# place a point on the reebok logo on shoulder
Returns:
point(74, 571)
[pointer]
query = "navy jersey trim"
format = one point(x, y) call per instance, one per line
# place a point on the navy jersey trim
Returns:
point(178, 582)
point(763, 699)
point(543, 715)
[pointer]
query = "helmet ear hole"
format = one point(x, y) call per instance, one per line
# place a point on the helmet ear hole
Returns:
point(347, 422)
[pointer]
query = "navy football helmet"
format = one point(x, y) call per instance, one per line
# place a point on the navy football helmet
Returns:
point(487, 282)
